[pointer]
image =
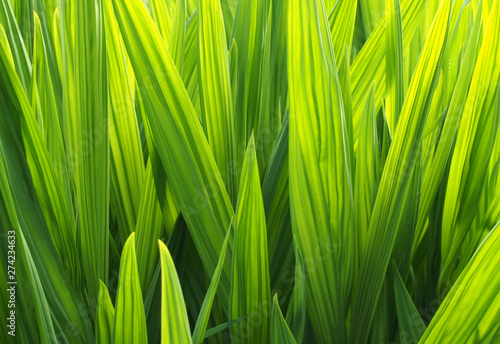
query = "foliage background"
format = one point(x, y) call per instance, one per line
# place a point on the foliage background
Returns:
point(270, 171)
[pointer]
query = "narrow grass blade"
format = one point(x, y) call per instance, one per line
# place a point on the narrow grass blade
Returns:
point(369, 64)
point(176, 42)
point(160, 12)
point(215, 90)
point(105, 316)
point(20, 52)
point(149, 229)
point(175, 325)
point(127, 161)
point(130, 320)
point(341, 23)
point(280, 333)
point(250, 289)
point(275, 193)
point(372, 12)
point(411, 325)
point(296, 313)
point(249, 31)
point(203, 317)
point(320, 178)
point(16, 247)
point(367, 179)
point(395, 85)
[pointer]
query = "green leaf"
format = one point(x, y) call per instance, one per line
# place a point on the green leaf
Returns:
point(442, 153)
point(105, 316)
point(280, 333)
point(341, 23)
point(470, 311)
point(130, 318)
point(228, 9)
point(162, 17)
point(388, 210)
point(14, 35)
point(215, 89)
point(190, 71)
point(149, 229)
point(48, 185)
point(368, 173)
point(371, 11)
point(33, 284)
point(475, 138)
point(127, 161)
point(250, 289)
point(85, 98)
point(174, 321)
point(296, 313)
point(321, 199)
point(369, 64)
point(203, 317)
point(219, 328)
point(184, 151)
point(275, 193)
point(176, 42)
point(395, 86)
point(249, 32)
point(411, 326)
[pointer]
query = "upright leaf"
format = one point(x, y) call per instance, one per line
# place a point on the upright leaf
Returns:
point(203, 317)
point(395, 86)
point(174, 321)
point(127, 161)
point(411, 326)
point(368, 172)
point(215, 89)
point(321, 198)
point(249, 30)
point(130, 319)
point(86, 115)
point(250, 289)
point(280, 333)
point(105, 316)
